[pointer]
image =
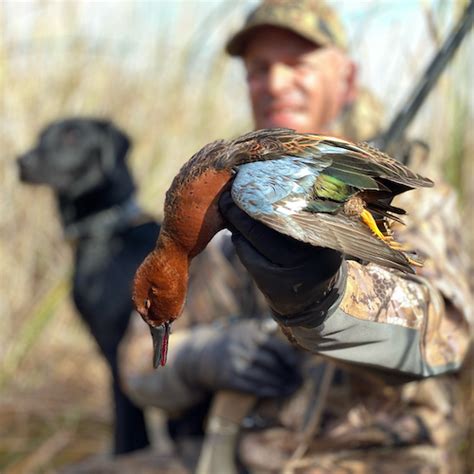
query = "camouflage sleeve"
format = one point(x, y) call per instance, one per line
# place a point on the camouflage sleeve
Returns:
point(416, 325)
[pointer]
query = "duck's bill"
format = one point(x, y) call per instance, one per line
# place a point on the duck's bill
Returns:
point(160, 336)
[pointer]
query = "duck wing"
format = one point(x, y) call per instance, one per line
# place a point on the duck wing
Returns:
point(338, 232)
point(358, 164)
point(279, 193)
point(362, 159)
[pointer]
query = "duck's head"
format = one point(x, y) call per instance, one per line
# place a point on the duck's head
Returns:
point(159, 293)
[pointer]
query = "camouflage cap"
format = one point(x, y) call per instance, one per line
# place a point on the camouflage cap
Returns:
point(311, 19)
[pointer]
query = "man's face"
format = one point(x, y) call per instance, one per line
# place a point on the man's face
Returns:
point(295, 84)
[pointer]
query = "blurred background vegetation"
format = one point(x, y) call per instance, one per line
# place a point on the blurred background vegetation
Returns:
point(157, 69)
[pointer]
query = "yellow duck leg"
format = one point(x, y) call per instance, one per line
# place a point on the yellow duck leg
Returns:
point(369, 221)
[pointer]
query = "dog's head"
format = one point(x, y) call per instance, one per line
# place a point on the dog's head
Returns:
point(75, 156)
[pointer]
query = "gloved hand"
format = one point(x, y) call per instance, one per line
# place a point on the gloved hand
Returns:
point(242, 357)
point(299, 281)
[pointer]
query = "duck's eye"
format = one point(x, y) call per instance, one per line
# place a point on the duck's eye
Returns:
point(147, 303)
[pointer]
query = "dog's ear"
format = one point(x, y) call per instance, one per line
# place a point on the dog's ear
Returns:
point(121, 141)
point(115, 146)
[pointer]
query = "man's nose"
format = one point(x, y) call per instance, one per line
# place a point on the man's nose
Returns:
point(280, 77)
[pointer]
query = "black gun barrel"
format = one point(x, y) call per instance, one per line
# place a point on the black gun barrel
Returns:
point(404, 117)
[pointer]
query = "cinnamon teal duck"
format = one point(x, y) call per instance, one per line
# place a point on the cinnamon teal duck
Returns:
point(318, 189)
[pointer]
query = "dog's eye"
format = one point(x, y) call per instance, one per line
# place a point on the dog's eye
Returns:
point(147, 303)
point(71, 137)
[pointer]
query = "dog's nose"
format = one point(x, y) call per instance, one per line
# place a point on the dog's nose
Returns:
point(20, 161)
point(24, 163)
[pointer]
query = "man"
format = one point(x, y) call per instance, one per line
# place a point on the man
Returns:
point(384, 331)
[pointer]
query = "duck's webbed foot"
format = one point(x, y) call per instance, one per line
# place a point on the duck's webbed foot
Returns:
point(368, 219)
point(370, 222)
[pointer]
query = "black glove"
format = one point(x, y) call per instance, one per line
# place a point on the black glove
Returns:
point(243, 357)
point(298, 280)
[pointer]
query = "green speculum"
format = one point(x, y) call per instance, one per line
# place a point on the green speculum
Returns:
point(330, 187)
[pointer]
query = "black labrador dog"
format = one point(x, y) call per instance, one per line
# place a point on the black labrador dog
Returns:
point(84, 161)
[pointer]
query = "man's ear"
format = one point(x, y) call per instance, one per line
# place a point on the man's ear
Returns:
point(352, 83)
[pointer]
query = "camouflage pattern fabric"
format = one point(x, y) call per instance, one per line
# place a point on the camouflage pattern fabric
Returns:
point(311, 19)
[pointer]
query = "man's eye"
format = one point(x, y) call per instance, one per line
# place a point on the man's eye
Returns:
point(312, 64)
point(305, 65)
point(256, 71)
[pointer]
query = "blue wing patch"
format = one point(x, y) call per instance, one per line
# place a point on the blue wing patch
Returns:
point(260, 185)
